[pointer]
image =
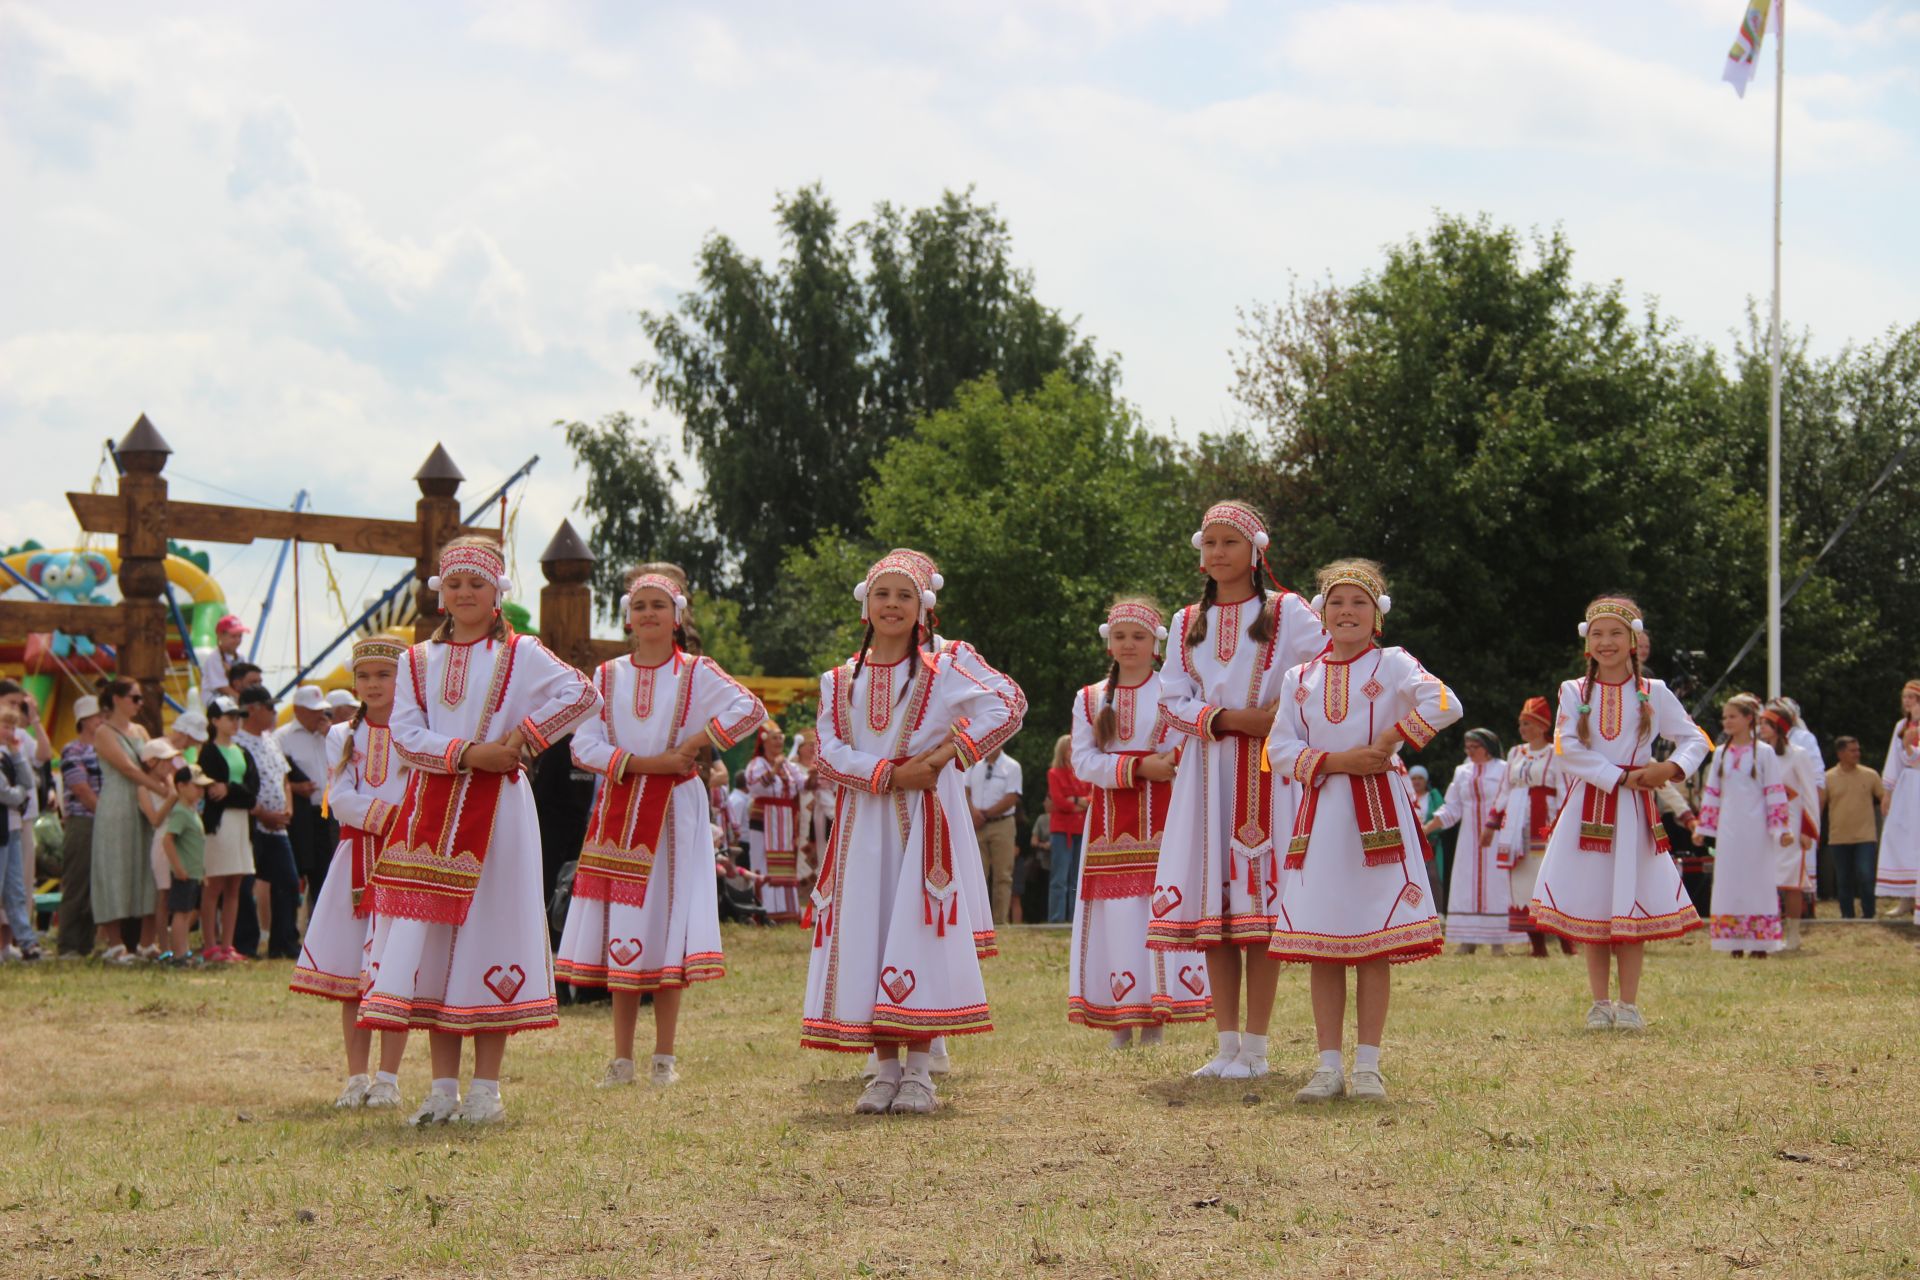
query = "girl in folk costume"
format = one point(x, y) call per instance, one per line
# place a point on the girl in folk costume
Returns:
point(364, 787)
point(1608, 879)
point(816, 805)
point(1802, 778)
point(645, 916)
point(1217, 882)
point(1745, 808)
point(460, 929)
point(1356, 892)
point(1899, 866)
point(1480, 895)
point(1122, 748)
point(893, 960)
point(774, 784)
point(1536, 788)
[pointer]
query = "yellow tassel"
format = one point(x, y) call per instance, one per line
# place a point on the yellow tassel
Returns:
point(1443, 697)
point(1708, 737)
point(1558, 748)
point(1266, 765)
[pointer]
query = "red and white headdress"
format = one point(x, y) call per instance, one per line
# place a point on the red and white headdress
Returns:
point(1613, 607)
point(1141, 614)
point(662, 583)
point(912, 565)
point(480, 559)
point(1352, 575)
point(376, 649)
point(1240, 518)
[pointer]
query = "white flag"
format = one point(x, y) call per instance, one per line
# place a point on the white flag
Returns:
point(1746, 46)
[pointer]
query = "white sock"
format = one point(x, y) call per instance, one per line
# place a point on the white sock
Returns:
point(663, 1059)
point(888, 1070)
point(357, 1075)
point(1366, 1057)
point(1329, 1059)
point(483, 1089)
point(938, 1048)
point(1252, 1048)
point(388, 1077)
point(1229, 1045)
point(919, 1066)
point(449, 1086)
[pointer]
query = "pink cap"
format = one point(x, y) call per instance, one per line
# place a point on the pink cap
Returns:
point(230, 625)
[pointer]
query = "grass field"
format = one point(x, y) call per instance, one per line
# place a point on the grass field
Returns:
point(174, 1124)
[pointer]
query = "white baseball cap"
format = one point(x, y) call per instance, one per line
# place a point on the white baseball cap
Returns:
point(340, 698)
point(157, 749)
point(84, 706)
point(310, 697)
point(192, 724)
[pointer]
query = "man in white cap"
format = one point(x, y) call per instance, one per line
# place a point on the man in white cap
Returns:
point(341, 704)
point(303, 740)
point(80, 787)
point(216, 662)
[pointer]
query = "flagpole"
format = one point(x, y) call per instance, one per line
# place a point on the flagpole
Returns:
point(1773, 388)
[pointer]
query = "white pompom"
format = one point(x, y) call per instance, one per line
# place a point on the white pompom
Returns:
point(1386, 605)
point(939, 583)
point(506, 586)
point(626, 603)
point(1583, 631)
point(1318, 604)
point(860, 592)
point(679, 606)
point(1197, 539)
point(433, 583)
point(1260, 539)
point(926, 599)
point(1105, 630)
point(1638, 626)
point(1159, 633)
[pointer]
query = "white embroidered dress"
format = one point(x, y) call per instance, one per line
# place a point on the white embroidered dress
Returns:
point(894, 957)
point(953, 789)
point(1113, 979)
point(644, 913)
point(1899, 866)
point(363, 795)
point(1536, 790)
point(1800, 774)
point(1354, 884)
point(773, 835)
point(1217, 882)
point(1606, 876)
point(481, 964)
point(1479, 890)
point(1745, 808)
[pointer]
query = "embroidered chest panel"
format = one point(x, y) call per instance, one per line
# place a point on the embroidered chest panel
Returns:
point(376, 766)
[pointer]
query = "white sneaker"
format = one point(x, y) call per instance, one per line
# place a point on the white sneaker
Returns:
point(1217, 1068)
point(382, 1096)
point(1326, 1085)
point(619, 1072)
point(1367, 1087)
point(116, 954)
point(662, 1075)
point(480, 1108)
point(13, 954)
point(354, 1095)
point(148, 953)
point(437, 1109)
point(1600, 1017)
point(938, 1064)
point(914, 1098)
point(877, 1098)
point(1626, 1017)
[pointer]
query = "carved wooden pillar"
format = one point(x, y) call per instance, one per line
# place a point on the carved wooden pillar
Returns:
point(438, 512)
point(566, 602)
point(143, 573)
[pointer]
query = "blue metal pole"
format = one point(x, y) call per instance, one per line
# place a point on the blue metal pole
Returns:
point(273, 583)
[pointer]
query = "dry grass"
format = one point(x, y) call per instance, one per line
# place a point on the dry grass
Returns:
point(161, 1124)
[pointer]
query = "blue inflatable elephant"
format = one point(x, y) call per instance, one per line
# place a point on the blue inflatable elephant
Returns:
point(71, 577)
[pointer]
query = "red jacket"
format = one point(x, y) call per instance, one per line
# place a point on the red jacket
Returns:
point(1062, 786)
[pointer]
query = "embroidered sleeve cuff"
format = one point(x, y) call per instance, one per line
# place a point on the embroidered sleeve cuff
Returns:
point(882, 779)
point(446, 762)
point(726, 737)
point(531, 732)
point(965, 749)
point(1204, 721)
point(1306, 766)
point(1127, 776)
point(1416, 730)
point(380, 816)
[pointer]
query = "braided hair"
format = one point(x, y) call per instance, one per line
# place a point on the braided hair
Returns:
point(1261, 629)
point(353, 727)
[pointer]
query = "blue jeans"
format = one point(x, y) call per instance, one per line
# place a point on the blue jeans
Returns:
point(1063, 884)
point(16, 896)
point(1853, 873)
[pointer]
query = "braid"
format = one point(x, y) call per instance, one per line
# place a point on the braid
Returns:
point(914, 659)
point(1646, 704)
point(860, 663)
point(1260, 630)
point(1103, 724)
point(1586, 699)
point(353, 726)
point(1197, 624)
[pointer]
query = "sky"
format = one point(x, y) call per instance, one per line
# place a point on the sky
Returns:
point(309, 242)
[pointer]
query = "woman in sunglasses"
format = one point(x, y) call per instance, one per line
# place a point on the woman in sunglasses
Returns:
point(122, 877)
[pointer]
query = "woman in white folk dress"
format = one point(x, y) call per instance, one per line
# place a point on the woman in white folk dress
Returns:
point(1536, 788)
point(893, 962)
point(1354, 891)
point(773, 786)
point(1745, 811)
point(645, 915)
point(460, 925)
point(1217, 883)
point(366, 780)
point(1609, 880)
point(1899, 865)
point(1480, 891)
point(1123, 749)
point(1800, 774)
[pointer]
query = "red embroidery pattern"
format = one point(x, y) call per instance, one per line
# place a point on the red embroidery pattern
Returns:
point(879, 696)
point(379, 743)
point(1611, 710)
point(643, 691)
point(1125, 703)
point(1226, 632)
point(453, 681)
point(1333, 695)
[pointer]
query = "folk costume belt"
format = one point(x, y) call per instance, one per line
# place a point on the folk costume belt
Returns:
point(1123, 838)
point(938, 885)
point(1382, 841)
point(430, 863)
point(1599, 811)
point(623, 837)
point(1252, 839)
point(363, 847)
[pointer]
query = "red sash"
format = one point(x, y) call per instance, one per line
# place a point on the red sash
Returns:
point(1539, 821)
point(362, 848)
point(783, 864)
point(1381, 840)
point(623, 836)
point(1599, 810)
point(1252, 837)
point(1123, 838)
point(430, 864)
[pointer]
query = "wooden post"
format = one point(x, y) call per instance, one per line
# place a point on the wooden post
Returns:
point(143, 573)
point(566, 602)
point(438, 512)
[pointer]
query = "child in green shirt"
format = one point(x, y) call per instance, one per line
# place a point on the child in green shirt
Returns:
point(185, 841)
